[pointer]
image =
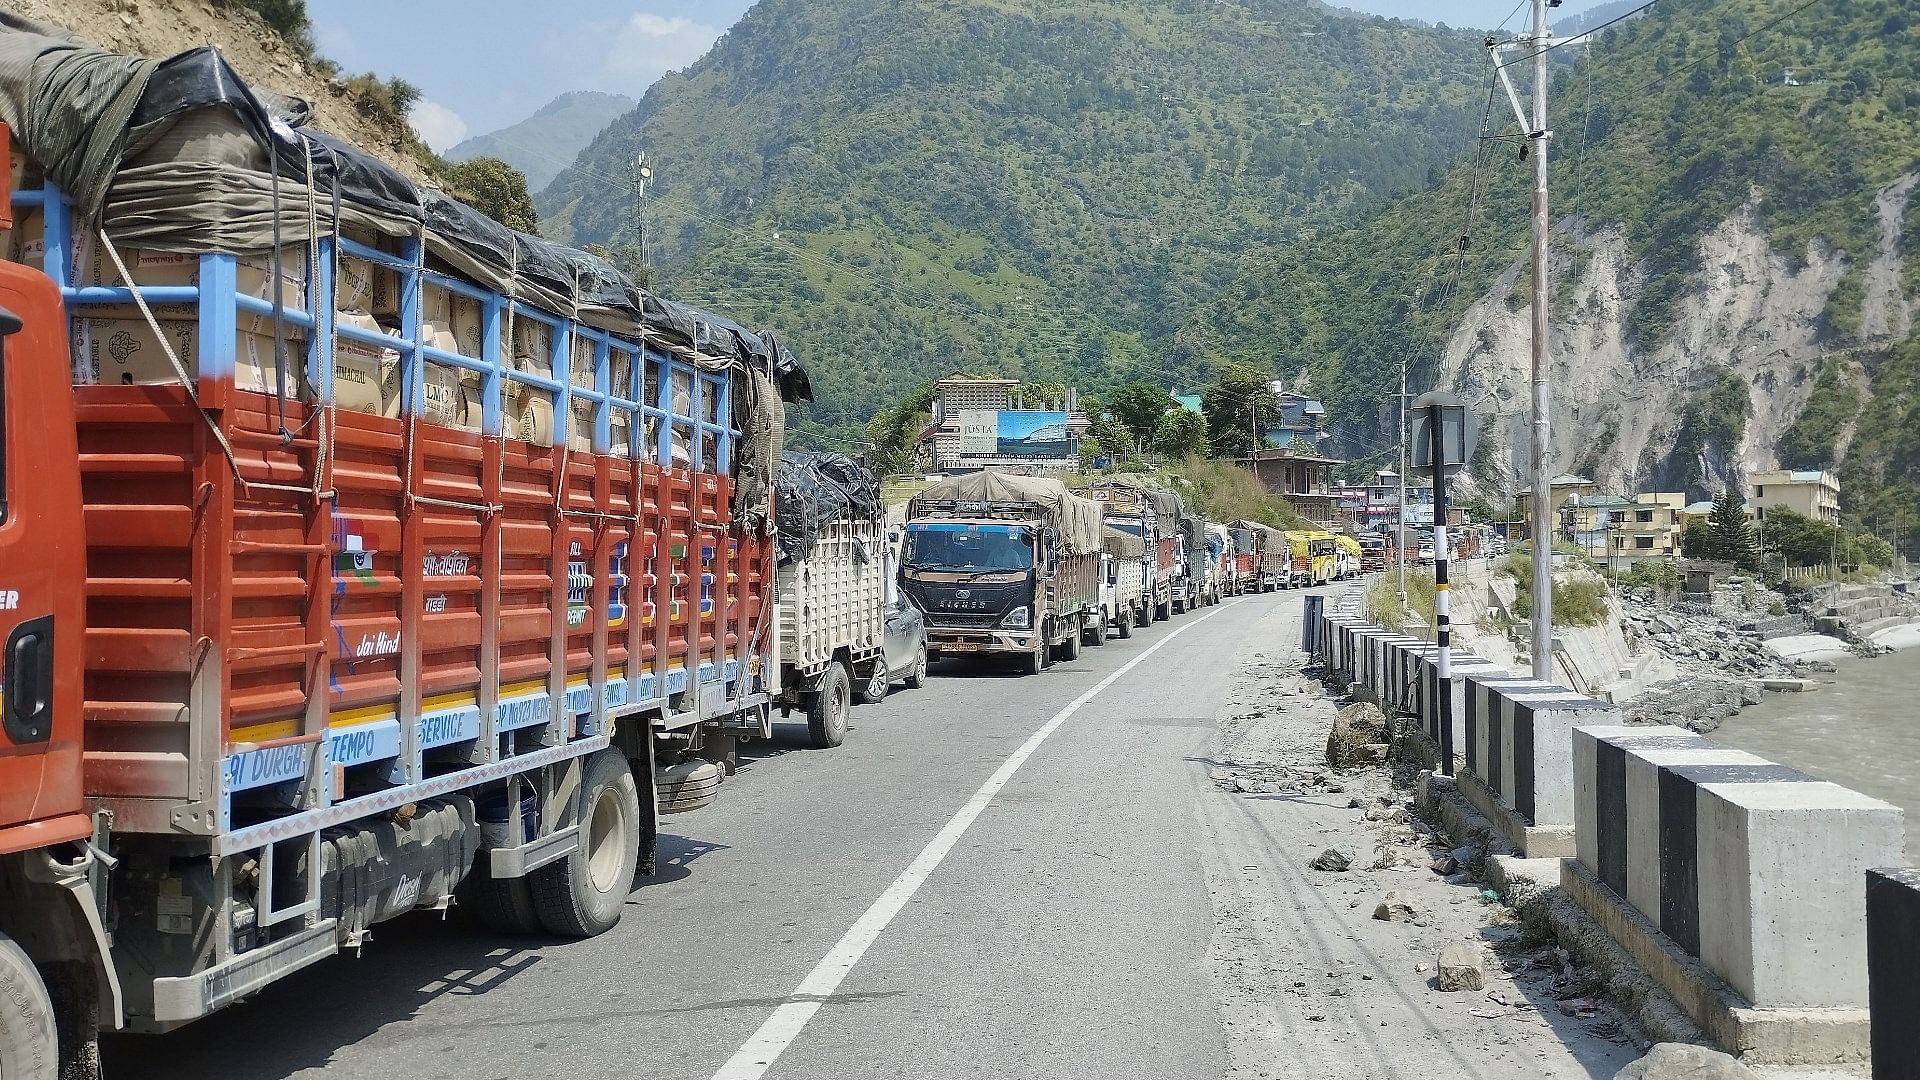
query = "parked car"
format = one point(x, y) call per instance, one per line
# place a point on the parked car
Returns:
point(906, 651)
point(1425, 555)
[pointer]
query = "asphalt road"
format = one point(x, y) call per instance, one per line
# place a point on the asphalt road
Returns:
point(1064, 934)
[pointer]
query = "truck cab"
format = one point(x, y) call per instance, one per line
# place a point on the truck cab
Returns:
point(978, 582)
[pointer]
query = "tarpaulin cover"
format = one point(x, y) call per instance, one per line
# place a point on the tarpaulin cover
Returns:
point(814, 490)
point(471, 242)
point(183, 155)
point(1079, 522)
point(1123, 545)
point(1266, 538)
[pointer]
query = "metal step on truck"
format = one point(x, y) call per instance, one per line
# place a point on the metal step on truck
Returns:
point(1004, 564)
point(360, 555)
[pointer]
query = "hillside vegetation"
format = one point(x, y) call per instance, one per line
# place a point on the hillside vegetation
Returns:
point(1029, 188)
point(1674, 123)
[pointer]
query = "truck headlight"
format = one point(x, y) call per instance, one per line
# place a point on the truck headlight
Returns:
point(1019, 618)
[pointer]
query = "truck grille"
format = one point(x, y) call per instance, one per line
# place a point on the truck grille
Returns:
point(964, 622)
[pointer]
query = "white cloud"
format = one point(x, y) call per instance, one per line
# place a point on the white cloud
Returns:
point(437, 125)
point(648, 46)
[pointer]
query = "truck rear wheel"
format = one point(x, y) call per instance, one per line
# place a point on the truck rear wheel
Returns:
point(1163, 611)
point(29, 1047)
point(1141, 616)
point(828, 707)
point(582, 895)
point(1126, 623)
point(1070, 645)
point(503, 905)
point(1095, 632)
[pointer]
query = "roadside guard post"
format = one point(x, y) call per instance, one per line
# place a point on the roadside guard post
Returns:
point(1442, 445)
point(1310, 625)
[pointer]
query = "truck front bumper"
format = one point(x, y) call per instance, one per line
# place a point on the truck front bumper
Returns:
point(956, 641)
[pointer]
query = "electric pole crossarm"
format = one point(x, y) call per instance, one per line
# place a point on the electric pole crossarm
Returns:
point(1513, 96)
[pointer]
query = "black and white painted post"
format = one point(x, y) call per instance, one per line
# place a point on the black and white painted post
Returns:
point(1442, 446)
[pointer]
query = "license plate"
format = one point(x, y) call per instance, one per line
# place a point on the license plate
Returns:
point(960, 646)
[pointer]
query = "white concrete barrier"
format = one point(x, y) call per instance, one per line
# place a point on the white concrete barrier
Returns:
point(1735, 881)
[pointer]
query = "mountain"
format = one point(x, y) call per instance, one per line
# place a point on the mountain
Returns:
point(909, 188)
point(1734, 265)
point(544, 143)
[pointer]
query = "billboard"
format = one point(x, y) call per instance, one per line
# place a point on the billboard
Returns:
point(1038, 435)
point(1032, 435)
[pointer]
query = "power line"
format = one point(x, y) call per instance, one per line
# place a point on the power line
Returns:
point(1582, 35)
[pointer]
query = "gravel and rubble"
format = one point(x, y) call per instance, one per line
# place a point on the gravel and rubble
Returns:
point(1718, 644)
point(1328, 933)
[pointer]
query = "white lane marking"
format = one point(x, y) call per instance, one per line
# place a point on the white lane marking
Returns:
point(766, 1045)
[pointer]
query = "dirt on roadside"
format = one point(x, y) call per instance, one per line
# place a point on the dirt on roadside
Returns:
point(1309, 980)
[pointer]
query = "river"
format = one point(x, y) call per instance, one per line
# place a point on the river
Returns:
point(1859, 729)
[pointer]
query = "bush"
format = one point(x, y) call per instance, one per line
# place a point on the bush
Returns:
point(1382, 603)
point(1577, 602)
point(1658, 574)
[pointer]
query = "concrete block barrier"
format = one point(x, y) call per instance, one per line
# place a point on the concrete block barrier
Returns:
point(1517, 741)
point(1734, 881)
point(1893, 970)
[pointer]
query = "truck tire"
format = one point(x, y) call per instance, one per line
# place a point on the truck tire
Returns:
point(1095, 632)
point(917, 677)
point(1035, 662)
point(29, 1044)
point(582, 895)
point(1126, 624)
point(1142, 617)
point(828, 706)
point(1163, 611)
point(874, 690)
point(503, 905)
point(1070, 645)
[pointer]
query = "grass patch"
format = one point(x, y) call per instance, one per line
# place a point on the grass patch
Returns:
point(1382, 601)
point(1579, 602)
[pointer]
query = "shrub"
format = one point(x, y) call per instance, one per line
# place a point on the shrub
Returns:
point(1658, 574)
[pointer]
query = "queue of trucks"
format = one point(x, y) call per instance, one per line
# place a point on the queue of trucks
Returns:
point(365, 556)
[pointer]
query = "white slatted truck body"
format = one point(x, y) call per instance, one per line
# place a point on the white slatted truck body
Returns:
point(833, 623)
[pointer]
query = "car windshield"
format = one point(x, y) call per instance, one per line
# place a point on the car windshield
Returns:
point(967, 548)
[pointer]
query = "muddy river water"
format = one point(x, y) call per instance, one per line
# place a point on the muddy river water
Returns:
point(1860, 728)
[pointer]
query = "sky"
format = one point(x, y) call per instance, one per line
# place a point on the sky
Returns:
point(486, 64)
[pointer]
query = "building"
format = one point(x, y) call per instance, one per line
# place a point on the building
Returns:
point(1650, 527)
point(1586, 521)
point(1382, 511)
point(1034, 438)
point(1300, 474)
point(1350, 505)
point(1810, 493)
point(1297, 418)
point(1562, 488)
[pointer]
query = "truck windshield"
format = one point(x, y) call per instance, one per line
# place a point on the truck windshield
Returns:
point(963, 547)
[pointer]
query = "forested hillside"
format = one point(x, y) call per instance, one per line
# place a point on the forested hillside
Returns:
point(1015, 186)
point(1733, 260)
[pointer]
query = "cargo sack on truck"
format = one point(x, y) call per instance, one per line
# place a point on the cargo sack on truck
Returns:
point(1079, 522)
point(1123, 545)
point(814, 490)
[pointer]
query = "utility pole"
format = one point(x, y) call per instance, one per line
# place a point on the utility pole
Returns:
point(1400, 537)
point(1538, 137)
point(642, 177)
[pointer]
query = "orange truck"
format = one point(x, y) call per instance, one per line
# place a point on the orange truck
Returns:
point(279, 665)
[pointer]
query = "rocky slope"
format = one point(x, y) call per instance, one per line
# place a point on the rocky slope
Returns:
point(164, 27)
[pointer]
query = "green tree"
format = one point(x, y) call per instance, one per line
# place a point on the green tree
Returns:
point(1797, 538)
point(1140, 406)
point(496, 189)
point(896, 431)
point(1236, 407)
point(1729, 535)
point(1182, 435)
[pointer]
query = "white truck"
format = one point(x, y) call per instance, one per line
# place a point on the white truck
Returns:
point(832, 589)
point(1123, 576)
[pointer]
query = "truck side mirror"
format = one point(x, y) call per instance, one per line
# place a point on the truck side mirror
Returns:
point(1113, 573)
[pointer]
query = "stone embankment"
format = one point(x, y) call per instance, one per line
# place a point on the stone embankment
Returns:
point(1719, 646)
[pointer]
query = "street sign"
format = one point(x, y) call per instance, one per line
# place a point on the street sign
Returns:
point(1459, 433)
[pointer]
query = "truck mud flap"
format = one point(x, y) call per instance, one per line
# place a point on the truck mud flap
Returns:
point(190, 997)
